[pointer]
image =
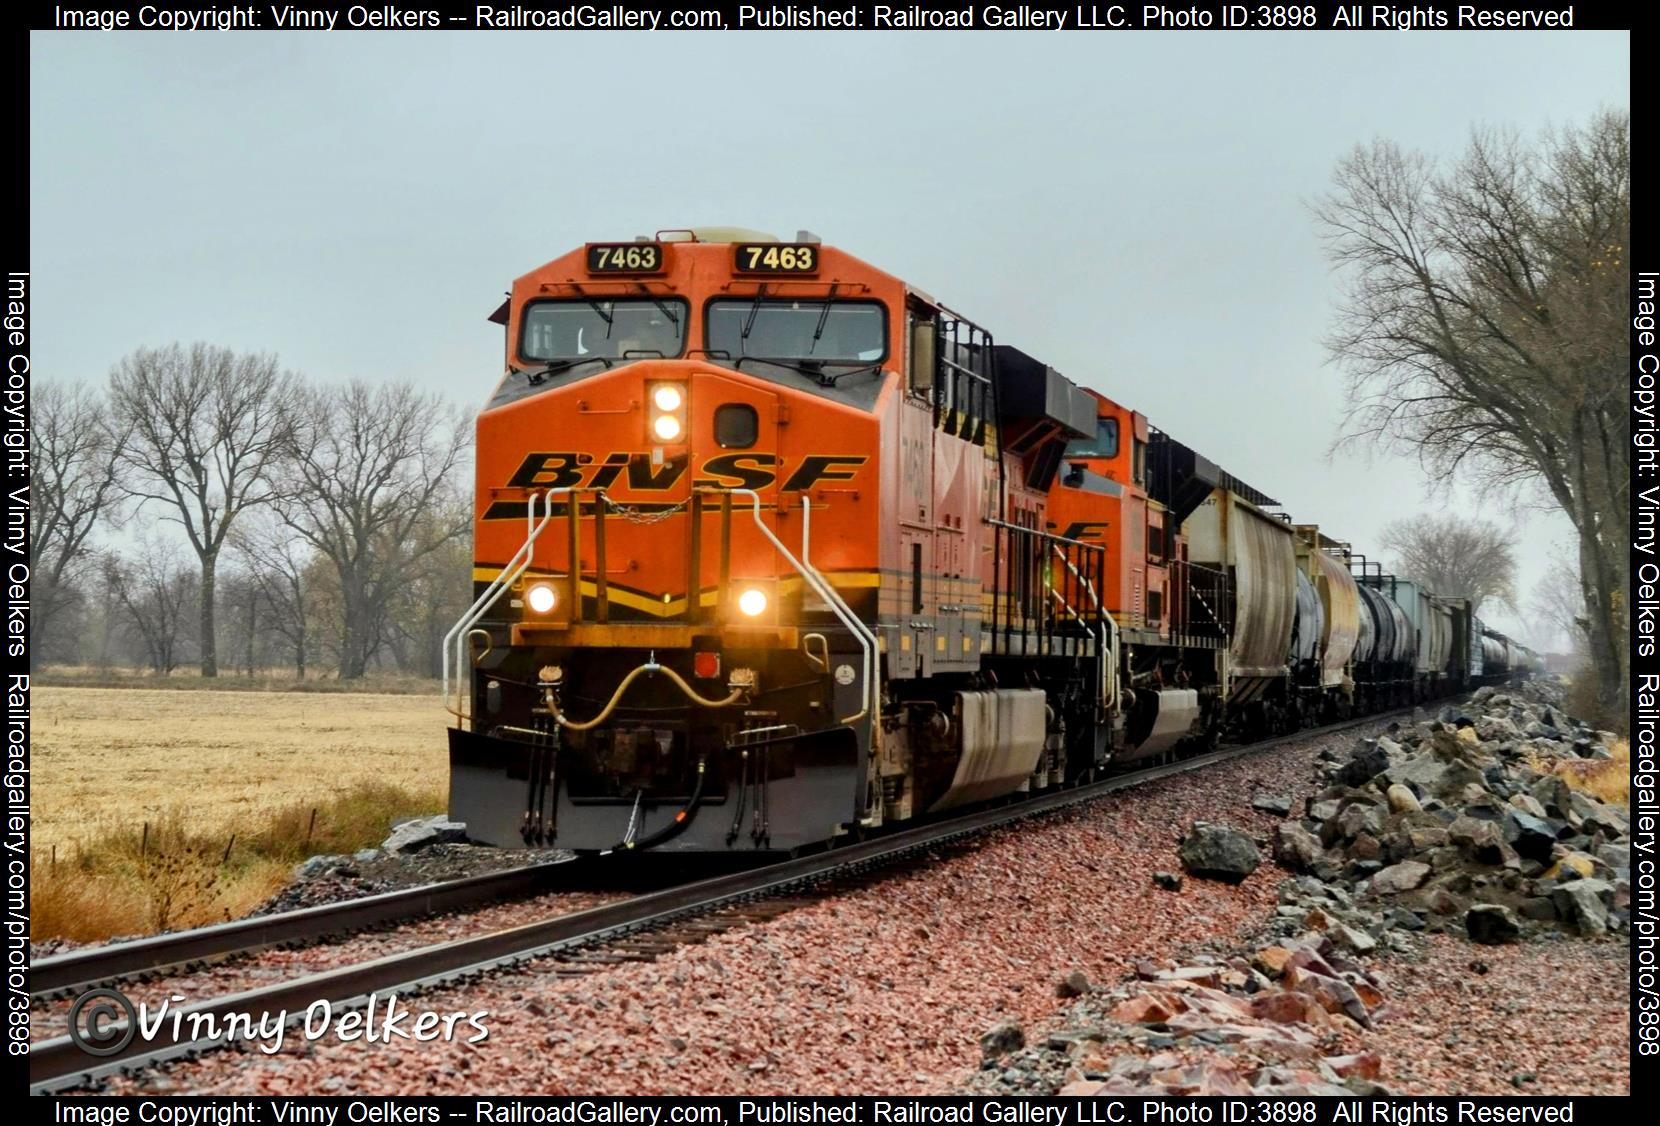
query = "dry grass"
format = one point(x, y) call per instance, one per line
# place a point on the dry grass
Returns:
point(106, 761)
point(138, 793)
point(167, 875)
point(1608, 780)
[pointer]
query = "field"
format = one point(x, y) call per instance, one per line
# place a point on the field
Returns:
point(137, 793)
point(112, 758)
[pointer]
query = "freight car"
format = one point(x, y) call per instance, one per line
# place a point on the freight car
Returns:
point(773, 548)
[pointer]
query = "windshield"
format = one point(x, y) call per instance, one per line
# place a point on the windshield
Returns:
point(850, 332)
point(638, 328)
point(1104, 444)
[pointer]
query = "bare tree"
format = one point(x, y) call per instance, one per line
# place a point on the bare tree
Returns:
point(208, 425)
point(439, 590)
point(1558, 606)
point(1455, 555)
point(74, 486)
point(1486, 325)
point(278, 564)
point(153, 588)
point(373, 464)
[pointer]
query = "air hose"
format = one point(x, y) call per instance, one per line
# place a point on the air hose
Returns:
point(650, 666)
point(675, 826)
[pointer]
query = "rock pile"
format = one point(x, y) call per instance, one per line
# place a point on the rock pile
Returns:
point(1462, 822)
point(1283, 1020)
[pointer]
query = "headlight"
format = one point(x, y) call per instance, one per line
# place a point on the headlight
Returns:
point(541, 597)
point(753, 602)
point(668, 411)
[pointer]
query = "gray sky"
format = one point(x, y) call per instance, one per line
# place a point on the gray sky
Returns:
point(1128, 207)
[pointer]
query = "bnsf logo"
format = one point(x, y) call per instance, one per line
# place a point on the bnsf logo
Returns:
point(637, 473)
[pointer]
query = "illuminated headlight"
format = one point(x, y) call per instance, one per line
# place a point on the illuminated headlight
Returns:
point(753, 602)
point(541, 597)
point(666, 427)
point(667, 397)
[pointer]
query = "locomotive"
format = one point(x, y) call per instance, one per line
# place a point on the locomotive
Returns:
point(773, 548)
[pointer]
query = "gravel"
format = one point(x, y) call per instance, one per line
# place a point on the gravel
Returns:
point(888, 988)
point(1548, 1017)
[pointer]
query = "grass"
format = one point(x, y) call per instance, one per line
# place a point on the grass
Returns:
point(168, 875)
point(190, 679)
point(1608, 780)
point(107, 760)
point(199, 768)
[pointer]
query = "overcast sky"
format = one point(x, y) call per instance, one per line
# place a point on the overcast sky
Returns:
point(1129, 207)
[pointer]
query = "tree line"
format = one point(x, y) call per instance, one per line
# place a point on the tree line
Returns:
point(207, 505)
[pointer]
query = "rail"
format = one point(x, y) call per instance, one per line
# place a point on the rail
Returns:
point(96, 965)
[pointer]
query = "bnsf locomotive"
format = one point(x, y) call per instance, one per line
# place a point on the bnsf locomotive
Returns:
point(772, 547)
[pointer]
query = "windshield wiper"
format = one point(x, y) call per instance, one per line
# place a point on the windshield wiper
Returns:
point(662, 306)
point(824, 315)
point(557, 367)
point(813, 369)
point(599, 310)
point(749, 321)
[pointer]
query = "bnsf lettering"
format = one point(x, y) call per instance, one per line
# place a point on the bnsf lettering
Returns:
point(729, 471)
point(636, 471)
point(554, 471)
point(606, 475)
point(822, 467)
point(641, 475)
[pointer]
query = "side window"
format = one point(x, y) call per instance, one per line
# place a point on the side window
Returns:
point(1106, 437)
point(1139, 466)
point(737, 426)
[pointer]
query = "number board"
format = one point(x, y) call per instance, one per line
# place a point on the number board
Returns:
point(776, 258)
point(625, 258)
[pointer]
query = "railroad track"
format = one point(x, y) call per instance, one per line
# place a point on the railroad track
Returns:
point(58, 976)
point(635, 929)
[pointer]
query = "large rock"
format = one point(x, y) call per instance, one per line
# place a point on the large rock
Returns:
point(424, 832)
point(1594, 815)
point(1398, 878)
point(1002, 1038)
point(1491, 924)
point(1219, 852)
point(1295, 847)
point(1277, 804)
point(1366, 763)
point(1480, 840)
point(1580, 902)
point(1529, 836)
point(1402, 799)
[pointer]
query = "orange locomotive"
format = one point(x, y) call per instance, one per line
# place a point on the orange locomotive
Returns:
point(772, 547)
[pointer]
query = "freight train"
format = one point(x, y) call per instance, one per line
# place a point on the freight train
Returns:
point(773, 549)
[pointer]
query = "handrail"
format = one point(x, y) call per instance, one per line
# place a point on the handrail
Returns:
point(516, 566)
point(823, 590)
point(867, 637)
point(1050, 536)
